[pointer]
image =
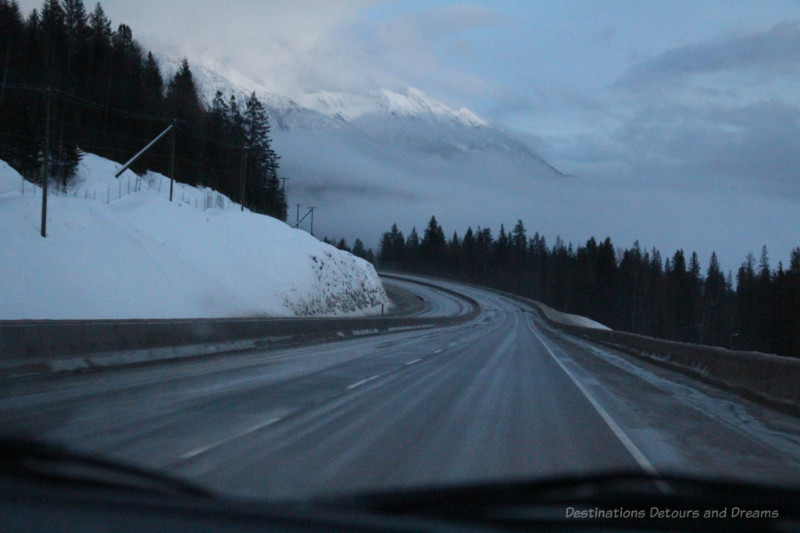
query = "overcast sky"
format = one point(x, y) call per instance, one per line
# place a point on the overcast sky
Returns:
point(692, 95)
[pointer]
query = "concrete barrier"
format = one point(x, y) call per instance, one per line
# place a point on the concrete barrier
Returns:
point(36, 346)
point(764, 378)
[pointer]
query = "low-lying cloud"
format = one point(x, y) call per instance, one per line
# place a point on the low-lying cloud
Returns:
point(777, 47)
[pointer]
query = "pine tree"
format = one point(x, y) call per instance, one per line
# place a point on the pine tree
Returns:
point(762, 319)
point(468, 259)
point(183, 105)
point(100, 51)
point(715, 312)
point(793, 297)
point(263, 186)
point(19, 144)
point(183, 98)
point(632, 280)
point(432, 247)
point(54, 40)
point(499, 257)
point(359, 250)
point(519, 260)
point(483, 248)
point(746, 305)
point(76, 21)
point(453, 253)
point(412, 252)
point(392, 248)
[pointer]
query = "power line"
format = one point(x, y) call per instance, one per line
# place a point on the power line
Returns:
point(86, 103)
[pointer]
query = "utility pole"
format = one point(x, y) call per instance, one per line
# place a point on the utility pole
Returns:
point(297, 218)
point(244, 154)
point(242, 176)
point(312, 218)
point(172, 163)
point(45, 162)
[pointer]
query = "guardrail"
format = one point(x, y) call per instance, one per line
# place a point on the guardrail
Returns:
point(765, 378)
point(37, 346)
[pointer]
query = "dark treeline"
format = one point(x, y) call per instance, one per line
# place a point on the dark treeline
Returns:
point(107, 96)
point(358, 249)
point(631, 290)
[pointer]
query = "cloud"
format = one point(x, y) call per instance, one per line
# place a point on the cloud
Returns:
point(754, 147)
point(758, 144)
point(432, 48)
point(713, 115)
point(779, 46)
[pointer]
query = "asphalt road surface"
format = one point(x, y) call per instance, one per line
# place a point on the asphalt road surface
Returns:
point(499, 397)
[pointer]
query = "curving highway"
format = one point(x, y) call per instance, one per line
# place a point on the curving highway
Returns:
point(500, 396)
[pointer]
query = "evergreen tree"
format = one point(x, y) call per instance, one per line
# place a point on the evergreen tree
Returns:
point(20, 111)
point(792, 298)
point(632, 288)
point(53, 34)
point(468, 255)
point(392, 248)
point(412, 250)
point(453, 253)
point(78, 35)
point(499, 258)
point(183, 98)
point(183, 105)
point(715, 329)
point(746, 305)
point(100, 52)
point(359, 250)
point(483, 249)
point(432, 247)
point(263, 186)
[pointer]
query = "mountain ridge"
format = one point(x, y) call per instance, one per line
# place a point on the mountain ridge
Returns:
point(378, 117)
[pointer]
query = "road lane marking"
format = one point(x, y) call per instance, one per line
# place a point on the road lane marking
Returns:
point(359, 383)
point(251, 429)
point(634, 450)
point(439, 350)
point(413, 362)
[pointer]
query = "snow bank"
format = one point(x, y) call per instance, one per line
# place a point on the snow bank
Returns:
point(120, 249)
point(569, 319)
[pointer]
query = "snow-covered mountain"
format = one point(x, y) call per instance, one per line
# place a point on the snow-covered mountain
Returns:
point(371, 159)
point(382, 123)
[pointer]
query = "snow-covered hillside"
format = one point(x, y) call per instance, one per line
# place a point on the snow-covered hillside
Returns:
point(120, 249)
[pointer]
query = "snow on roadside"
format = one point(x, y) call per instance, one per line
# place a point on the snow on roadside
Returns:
point(571, 320)
point(111, 253)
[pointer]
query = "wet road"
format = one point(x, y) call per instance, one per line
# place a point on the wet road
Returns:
point(499, 397)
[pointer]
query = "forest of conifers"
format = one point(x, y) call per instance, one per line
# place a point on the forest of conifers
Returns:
point(631, 290)
point(107, 96)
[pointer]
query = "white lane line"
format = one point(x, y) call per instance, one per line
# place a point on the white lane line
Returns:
point(634, 450)
point(251, 429)
point(438, 350)
point(359, 383)
point(413, 362)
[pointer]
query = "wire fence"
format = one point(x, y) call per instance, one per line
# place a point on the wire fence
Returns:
point(202, 199)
